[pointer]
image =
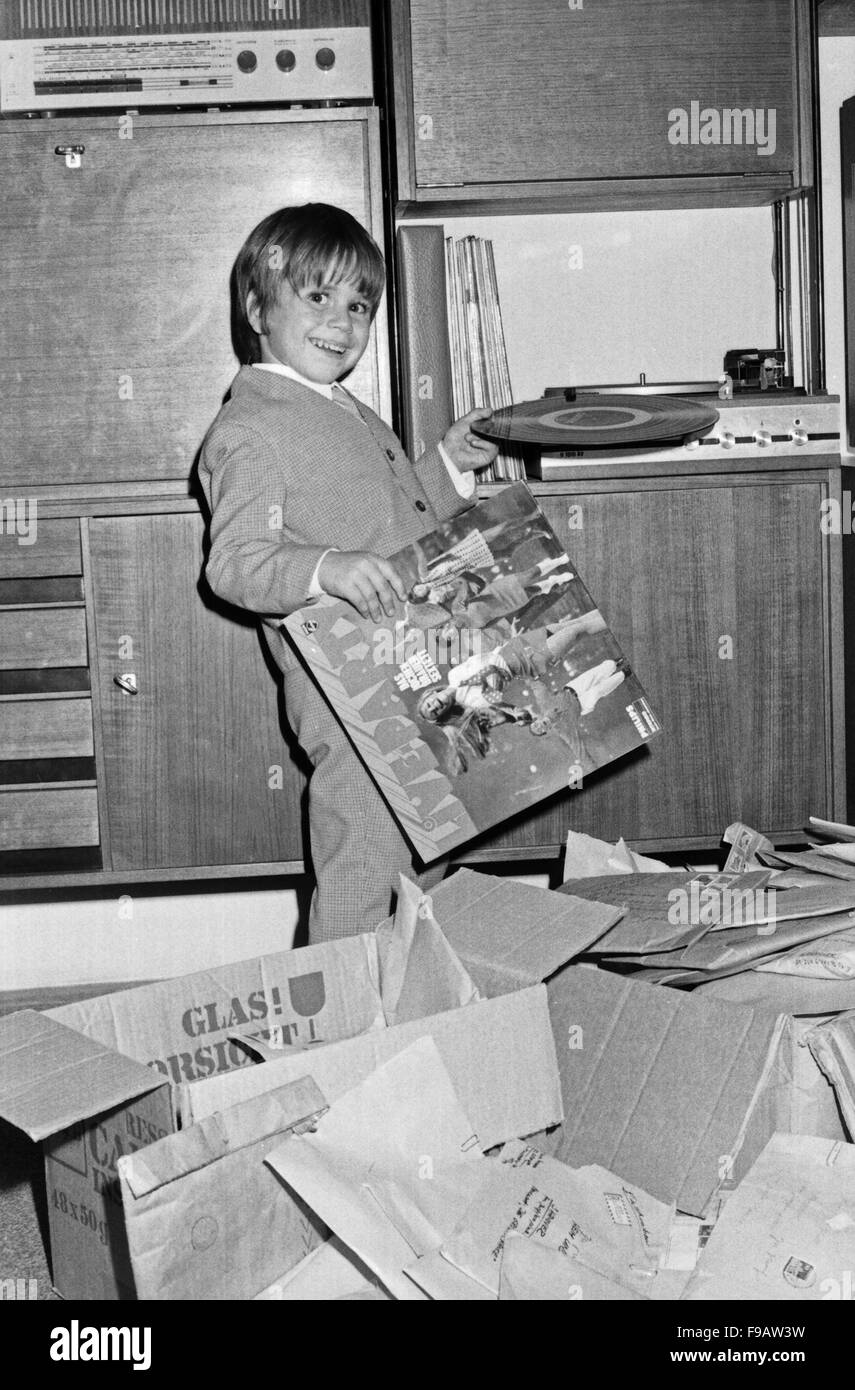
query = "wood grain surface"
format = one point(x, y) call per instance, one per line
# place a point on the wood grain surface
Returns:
point(115, 343)
point(190, 763)
point(491, 94)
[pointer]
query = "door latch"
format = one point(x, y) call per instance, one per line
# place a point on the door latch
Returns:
point(73, 155)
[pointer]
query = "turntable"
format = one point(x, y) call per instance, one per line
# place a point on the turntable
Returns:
point(568, 427)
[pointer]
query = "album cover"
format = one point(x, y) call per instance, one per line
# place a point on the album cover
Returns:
point(496, 684)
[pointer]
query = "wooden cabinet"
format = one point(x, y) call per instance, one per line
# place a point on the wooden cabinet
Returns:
point(115, 353)
point(194, 767)
point(580, 105)
point(157, 751)
point(115, 342)
point(48, 798)
point(140, 720)
point(725, 596)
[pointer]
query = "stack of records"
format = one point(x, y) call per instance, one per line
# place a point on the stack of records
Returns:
point(479, 360)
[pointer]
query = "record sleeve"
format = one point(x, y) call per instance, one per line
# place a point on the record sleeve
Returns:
point(497, 684)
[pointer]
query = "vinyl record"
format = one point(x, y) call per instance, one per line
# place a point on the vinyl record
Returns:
point(592, 421)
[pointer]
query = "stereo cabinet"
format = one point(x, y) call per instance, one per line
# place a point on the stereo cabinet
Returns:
point(577, 105)
point(139, 725)
point(141, 721)
point(726, 594)
point(141, 730)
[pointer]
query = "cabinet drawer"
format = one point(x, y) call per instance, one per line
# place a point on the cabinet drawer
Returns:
point(55, 549)
point(46, 729)
point(42, 637)
point(48, 819)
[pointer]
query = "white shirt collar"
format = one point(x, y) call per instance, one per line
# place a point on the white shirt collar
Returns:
point(279, 367)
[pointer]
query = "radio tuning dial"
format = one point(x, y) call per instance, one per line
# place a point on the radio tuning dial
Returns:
point(247, 60)
point(325, 59)
point(286, 60)
point(763, 438)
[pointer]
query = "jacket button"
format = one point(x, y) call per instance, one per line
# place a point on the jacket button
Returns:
point(390, 453)
point(420, 506)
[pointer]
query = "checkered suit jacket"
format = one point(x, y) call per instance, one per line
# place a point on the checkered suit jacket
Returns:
point(287, 474)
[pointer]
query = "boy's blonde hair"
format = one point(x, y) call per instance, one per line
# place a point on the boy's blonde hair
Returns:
point(309, 245)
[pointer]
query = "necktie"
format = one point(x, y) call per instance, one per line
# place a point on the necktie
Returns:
point(341, 397)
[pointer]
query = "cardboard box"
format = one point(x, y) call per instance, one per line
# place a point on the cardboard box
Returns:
point(109, 1076)
point(811, 1104)
point(196, 1202)
point(677, 1094)
point(832, 1045)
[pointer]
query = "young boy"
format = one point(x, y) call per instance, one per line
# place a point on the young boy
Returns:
point(309, 492)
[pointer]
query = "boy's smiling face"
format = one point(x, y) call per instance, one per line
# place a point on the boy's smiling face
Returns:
point(320, 331)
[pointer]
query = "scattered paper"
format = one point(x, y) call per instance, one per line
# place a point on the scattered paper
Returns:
point(329, 1272)
point(746, 844)
point(718, 921)
point(812, 867)
point(780, 1235)
point(442, 1282)
point(533, 1272)
point(586, 857)
point(843, 849)
point(833, 1047)
point(833, 827)
point(684, 1240)
point(394, 1132)
point(829, 958)
point(420, 974)
point(588, 1214)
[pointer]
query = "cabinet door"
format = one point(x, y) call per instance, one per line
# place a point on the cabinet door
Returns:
point(115, 341)
point(716, 595)
point(504, 92)
point(194, 766)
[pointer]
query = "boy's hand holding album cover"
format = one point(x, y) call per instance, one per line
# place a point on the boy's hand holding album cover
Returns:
point(496, 684)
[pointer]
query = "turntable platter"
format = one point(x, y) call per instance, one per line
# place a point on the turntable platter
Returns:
point(593, 421)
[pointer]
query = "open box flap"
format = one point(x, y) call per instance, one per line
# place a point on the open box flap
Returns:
point(510, 934)
point(273, 1115)
point(52, 1076)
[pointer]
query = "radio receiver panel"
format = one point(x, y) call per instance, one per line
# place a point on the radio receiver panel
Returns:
point(61, 55)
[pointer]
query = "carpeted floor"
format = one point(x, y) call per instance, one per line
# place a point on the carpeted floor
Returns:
point(23, 1218)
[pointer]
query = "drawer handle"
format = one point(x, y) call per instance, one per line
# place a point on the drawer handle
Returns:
point(127, 682)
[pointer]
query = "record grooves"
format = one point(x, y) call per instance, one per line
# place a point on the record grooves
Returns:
point(587, 420)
